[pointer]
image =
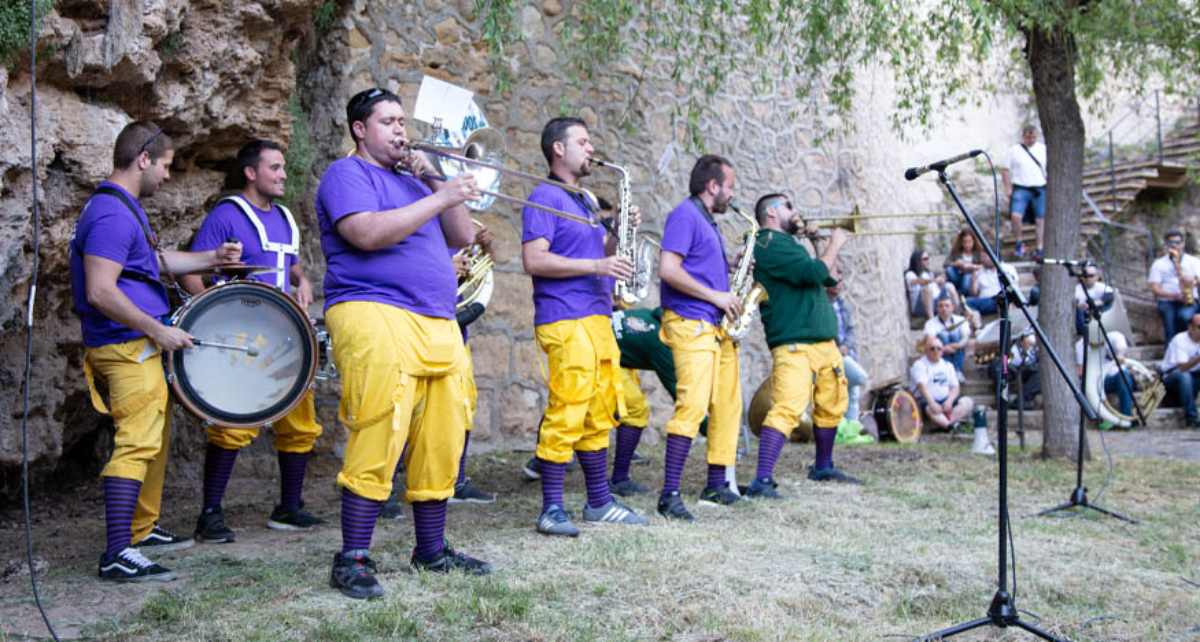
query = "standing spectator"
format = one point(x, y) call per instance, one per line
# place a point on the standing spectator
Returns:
point(933, 381)
point(1181, 364)
point(964, 260)
point(1025, 185)
point(1102, 295)
point(1174, 268)
point(924, 287)
point(954, 333)
point(856, 378)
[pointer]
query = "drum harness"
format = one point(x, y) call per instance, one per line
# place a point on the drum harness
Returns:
point(281, 250)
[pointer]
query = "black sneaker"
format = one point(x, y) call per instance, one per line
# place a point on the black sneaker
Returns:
point(672, 507)
point(468, 493)
point(354, 576)
point(393, 508)
point(763, 487)
point(161, 540)
point(719, 496)
point(451, 560)
point(627, 487)
point(532, 469)
point(638, 459)
point(1192, 422)
point(210, 527)
point(131, 566)
point(831, 474)
point(282, 519)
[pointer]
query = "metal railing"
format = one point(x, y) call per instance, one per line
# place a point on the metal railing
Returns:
point(1122, 275)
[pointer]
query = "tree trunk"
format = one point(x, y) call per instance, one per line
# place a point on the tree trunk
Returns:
point(1052, 56)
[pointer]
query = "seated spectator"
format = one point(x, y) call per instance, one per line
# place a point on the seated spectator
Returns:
point(856, 377)
point(1175, 268)
point(935, 384)
point(1181, 365)
point(1102, 295)
point(986, 286)
point(954, 333)
point(1035, 292)
point(924, 287)
point(1022, 367)
point(1112, 371)
point(963, 261)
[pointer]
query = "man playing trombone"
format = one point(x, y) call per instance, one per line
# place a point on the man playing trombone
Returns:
point(572, 268)
point(390, 293)
point(801, 329)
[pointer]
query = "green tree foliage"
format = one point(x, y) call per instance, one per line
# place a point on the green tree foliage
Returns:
point(14, 27)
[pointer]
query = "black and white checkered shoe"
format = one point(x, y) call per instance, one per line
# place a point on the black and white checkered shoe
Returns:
point(131, 566)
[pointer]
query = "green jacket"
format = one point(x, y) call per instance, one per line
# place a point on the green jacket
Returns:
point(797, 309)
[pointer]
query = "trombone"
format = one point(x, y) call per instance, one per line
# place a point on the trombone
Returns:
point(485, 149)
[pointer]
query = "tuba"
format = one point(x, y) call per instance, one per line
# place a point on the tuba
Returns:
point(628, 292)
point(477, 285)
point(742, 284)
point(1148, 386)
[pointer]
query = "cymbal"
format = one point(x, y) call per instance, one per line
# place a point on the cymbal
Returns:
point(235, 270)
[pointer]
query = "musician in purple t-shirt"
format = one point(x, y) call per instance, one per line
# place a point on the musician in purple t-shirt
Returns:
point(390, 291)
point(695, 298)
point(122, 305)
point(570, 263)
point(270, 237)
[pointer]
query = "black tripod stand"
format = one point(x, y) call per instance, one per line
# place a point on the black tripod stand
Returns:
point(1002, 612)
point(1079, 496)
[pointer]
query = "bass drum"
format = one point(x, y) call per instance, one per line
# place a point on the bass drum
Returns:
point(760, 405)
point(259, 359)
point(897, 415)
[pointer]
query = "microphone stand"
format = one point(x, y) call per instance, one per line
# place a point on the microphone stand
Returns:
point(1079, 496)
point(1002, 612)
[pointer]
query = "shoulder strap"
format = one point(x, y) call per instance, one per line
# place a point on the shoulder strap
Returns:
point(1035, 160)
point(151, 238)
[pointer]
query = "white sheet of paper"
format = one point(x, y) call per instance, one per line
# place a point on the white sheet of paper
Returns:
point(440, 99)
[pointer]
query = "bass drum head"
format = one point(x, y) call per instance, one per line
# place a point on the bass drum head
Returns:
point(230, 387)
point(897, 416)
point(760, 405)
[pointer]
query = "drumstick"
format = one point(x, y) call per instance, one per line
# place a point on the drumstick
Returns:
point(253, 352)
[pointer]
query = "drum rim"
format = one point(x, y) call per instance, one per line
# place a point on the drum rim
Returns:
point(184, 392)
point(878, 407)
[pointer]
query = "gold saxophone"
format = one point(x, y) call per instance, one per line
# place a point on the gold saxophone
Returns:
point(1189, 293)
point(742, 283)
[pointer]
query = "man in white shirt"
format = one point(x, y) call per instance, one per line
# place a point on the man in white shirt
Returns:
point(1102, 295)
point(1181, 364)
point(935, 383)
point(987, 285)
point(1165, 280)
point(954, 333)
point(1112, 372)
point(1025, 184)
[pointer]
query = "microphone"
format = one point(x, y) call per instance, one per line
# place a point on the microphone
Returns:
point(913, 172)
point(1065, 262)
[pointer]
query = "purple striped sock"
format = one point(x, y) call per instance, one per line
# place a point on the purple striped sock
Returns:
point(429, 521)
point(120, 498)
point(218, 466)
point(716, 476)
point(358, 520)
point(552, 482)
point(770, 444)
point(291, 479)
point(824, 438)
point(462, 460)
point(595, 465)
point(675, 458)
point(627, 443)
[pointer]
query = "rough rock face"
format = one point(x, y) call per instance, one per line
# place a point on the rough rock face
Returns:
point(188, 66)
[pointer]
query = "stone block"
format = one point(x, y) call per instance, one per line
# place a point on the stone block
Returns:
point(490, 354)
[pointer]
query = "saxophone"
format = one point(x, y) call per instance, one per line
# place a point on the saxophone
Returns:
point(1189, 293)
point(742, 284)
point(629, 292)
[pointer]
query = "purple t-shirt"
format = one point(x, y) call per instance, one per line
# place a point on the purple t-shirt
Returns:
point(573, 297)
point(689, 233)
point(227, 221)
point(415, 274)
point(107, 229)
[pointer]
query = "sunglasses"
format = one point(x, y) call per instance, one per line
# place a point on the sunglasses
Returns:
point(1090, 276)
point(933, 349)
point(146, 145)
point(1174, 241)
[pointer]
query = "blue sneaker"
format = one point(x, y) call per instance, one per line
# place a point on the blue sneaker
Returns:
point(1019, 250)
point(763, 487)
point(554, 521)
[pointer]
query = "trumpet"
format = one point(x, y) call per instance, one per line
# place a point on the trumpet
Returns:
point(483, 154)
point(851, 224)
